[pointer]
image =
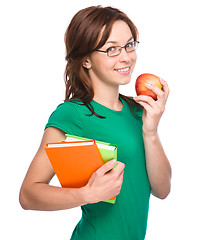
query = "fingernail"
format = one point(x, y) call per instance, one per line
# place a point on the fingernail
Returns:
point(113, 163)
point(147, 84)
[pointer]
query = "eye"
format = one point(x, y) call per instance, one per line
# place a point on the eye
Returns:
point(112, 49)
point(130, 45)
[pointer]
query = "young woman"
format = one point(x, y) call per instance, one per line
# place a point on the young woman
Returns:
point(101, 55)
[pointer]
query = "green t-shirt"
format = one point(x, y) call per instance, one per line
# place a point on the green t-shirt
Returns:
point(127, 218)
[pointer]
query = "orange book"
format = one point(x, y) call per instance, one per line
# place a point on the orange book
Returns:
point(75, 162)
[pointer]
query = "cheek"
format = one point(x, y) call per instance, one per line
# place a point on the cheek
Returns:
point(102, 62)
point(133, 60)
point(110, 63)
point(134, 57)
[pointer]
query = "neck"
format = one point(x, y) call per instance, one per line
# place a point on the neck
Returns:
point(108, 97)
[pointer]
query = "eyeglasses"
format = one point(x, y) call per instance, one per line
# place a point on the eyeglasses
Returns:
point(116, 50)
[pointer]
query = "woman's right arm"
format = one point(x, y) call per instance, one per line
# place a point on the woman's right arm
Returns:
point(37, 194)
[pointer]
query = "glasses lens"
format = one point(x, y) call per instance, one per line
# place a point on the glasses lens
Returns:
point(131, 46)
point(113, 51)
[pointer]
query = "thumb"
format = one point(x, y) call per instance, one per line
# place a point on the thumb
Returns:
point(106, 167)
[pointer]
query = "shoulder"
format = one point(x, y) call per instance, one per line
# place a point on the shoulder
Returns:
point(139, 112)
point(65, 115)
point(135, 108)
point(65, 109)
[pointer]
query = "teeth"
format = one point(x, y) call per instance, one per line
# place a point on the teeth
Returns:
point(123, 69)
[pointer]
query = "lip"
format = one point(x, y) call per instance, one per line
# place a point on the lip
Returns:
point(124, 70)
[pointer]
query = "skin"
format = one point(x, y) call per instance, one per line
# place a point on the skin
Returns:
point(37, 194)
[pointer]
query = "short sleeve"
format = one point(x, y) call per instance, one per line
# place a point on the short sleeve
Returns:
point(65, 118)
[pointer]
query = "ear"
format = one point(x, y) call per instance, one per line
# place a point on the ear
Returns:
point(87, 63)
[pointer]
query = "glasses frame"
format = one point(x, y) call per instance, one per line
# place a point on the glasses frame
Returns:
point(120, 48)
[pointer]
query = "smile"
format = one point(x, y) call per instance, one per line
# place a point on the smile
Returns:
point(123, 69)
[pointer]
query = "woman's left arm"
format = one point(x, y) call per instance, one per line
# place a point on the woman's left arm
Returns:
point(158, 166)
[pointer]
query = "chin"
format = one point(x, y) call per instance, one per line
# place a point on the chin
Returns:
point(124, 81)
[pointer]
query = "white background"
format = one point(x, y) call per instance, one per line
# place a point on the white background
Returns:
point(32, 63)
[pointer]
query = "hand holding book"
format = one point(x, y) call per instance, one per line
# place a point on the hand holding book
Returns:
point(104, 184)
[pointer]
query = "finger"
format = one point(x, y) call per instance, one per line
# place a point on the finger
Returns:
point(106, 167)
point(155, 89)
point(165, 87)
point(119, 167)
point(118, 170)
point(120, 177)
point(147, 99)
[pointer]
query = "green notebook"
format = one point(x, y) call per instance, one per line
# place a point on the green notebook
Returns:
point(108, 151)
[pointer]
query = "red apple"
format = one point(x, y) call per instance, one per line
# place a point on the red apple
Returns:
point(141, 88)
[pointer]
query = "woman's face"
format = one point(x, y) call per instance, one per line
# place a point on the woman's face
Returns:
point(115, 70)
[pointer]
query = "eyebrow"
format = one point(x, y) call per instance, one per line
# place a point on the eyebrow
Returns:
point(114, 42)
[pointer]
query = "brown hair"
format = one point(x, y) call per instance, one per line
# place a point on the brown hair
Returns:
point(81, 39)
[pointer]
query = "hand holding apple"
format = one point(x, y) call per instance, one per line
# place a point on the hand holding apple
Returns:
point(142, 80)
point(153, 106)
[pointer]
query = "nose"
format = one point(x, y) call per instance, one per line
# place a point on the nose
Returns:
point(124, 56)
